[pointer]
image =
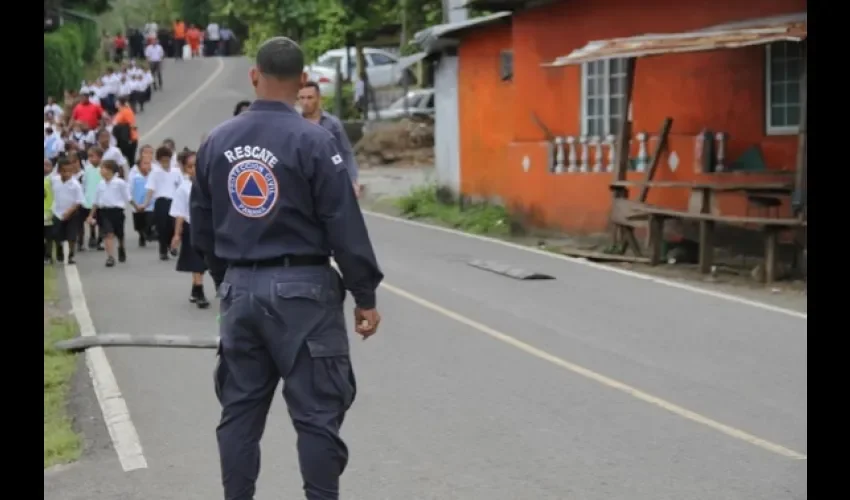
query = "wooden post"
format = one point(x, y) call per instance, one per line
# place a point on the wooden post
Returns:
point(706, 246)
point(623, 137)
point(706, 233)
point(771, 244)
point(656, 238)
point(621, 168)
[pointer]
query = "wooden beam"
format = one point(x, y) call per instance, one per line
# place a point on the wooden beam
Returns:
point(656, 155)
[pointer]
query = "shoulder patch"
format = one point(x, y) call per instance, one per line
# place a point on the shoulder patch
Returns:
point(253, 188)
point(336, 159)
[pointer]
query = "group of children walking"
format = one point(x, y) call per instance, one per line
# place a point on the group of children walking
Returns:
point(93, 196)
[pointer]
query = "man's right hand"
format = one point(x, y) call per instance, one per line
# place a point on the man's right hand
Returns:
point(366, 322)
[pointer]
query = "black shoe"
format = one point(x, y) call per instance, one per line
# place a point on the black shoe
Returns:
point(92, 242)
point(202, 302)
point(173, 252)
point(122, 255)
point(163, 256)
point(110, 261)
point(71, 260)
point(142, 242)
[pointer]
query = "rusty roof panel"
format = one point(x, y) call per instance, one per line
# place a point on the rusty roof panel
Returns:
point(762, 31)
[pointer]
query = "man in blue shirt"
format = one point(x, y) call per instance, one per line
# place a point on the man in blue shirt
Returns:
point(310, 100)
point(271, 201)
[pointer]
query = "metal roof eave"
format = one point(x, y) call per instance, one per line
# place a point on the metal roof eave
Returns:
point(430, 37)
point(735, 35)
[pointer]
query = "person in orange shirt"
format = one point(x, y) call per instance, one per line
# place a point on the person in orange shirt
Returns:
point(125, 131)
point(179, 38)
point(193, 38)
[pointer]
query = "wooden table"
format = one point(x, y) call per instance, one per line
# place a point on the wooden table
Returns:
point(707, 221)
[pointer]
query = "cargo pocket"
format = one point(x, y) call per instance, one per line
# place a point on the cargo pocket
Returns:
point(333, 376)
point(298, 306)
point(219, 373)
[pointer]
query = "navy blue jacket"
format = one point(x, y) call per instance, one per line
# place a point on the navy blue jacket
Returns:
point(270, 183)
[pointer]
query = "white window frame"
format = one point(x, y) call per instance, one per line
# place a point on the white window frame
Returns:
point(607, 101)
point(768, 88)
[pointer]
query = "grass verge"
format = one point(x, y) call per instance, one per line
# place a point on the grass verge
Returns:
point(427, 203)
point(61, 442)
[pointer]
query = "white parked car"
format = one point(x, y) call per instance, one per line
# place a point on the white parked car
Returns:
point(384, 68)
point(420, 102)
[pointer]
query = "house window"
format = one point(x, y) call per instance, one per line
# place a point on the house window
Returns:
point(784, 70)
point(506, 65)
point(603, 97)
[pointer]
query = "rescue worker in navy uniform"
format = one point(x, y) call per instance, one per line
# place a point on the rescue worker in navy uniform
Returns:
point(271, 202)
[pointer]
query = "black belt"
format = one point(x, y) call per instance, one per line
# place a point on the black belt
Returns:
point(284, 261)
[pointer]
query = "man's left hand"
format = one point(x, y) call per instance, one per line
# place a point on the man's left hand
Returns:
point(357, 189)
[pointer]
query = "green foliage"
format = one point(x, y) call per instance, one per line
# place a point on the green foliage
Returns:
point(90, 33)
point(93, 6)
point(74, 38)
point(320, 25)
point(432, 204)
point(198, 11)
point(63, 60)
point(349, 112)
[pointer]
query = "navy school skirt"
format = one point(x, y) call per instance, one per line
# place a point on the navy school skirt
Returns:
point(189, 261)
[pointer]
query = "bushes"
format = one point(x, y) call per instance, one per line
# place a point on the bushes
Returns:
point(66, 51)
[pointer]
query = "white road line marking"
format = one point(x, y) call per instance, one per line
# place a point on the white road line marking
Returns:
point(602, 267)
point(125, 439)
point(116, 415)
point(597, 377)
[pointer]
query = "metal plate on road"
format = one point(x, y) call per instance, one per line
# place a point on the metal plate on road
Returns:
point(516, 273)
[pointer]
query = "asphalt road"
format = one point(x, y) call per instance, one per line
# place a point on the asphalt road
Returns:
point(594, 385)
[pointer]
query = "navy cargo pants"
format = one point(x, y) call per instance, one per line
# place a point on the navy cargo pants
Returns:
point(283, 323)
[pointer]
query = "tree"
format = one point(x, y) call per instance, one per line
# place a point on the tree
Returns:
point(92, 6)
point(320, 25)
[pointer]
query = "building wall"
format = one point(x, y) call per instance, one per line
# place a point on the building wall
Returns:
point(486, 106)
point(721, 91)
point(446, 115)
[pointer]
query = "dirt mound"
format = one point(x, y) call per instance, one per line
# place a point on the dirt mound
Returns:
point(406, 141)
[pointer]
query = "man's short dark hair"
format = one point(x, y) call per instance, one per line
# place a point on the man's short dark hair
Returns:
point(281, 58)
point(314, 85)
point(163, 152)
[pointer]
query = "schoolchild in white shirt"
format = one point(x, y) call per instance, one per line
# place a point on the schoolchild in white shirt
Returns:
point(113, 196)
point(189, 260)
point(67, 198)
point(145, 152)
point(161, 185)
point(126, 89)
point(138, 95)
point(147, 78)
point(143, 221)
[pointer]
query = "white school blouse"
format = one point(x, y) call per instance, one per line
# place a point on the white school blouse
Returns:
point(180, 202)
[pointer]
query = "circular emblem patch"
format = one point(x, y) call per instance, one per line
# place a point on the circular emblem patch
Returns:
point(253, 188)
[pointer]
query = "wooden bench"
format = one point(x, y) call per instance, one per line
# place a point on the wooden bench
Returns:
point(771, 227)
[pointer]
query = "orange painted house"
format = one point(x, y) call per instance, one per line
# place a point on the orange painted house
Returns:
point(750, 95)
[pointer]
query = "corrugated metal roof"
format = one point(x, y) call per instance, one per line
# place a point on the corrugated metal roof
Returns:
point(428, 37)
point(762, 31)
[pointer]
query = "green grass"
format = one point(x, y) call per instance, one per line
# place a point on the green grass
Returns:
point(61, 443)
point(430, 204)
